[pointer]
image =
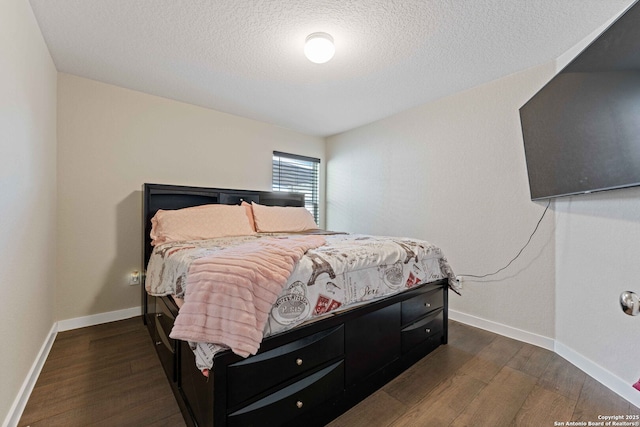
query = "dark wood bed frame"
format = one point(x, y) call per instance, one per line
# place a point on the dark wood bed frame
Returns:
point(308, 375)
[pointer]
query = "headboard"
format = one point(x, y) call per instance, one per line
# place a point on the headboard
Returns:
point(160, 196)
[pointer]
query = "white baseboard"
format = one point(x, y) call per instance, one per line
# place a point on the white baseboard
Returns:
point(606, 378)
point(97, 319)
point(15, 412)
point(13, 417)
point(500, 329)
point(597, 372)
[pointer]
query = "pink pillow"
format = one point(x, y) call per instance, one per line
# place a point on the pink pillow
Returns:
point(199, 222)
point(272, 219)
point(247, 206)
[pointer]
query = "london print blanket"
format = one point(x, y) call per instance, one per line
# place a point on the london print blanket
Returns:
point(350, 269)
point(229, 293)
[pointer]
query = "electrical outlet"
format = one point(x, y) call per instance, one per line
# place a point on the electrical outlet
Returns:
point(134, 278)
point(459, 280)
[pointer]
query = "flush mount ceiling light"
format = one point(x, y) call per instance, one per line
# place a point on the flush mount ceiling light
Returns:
point(319, 47)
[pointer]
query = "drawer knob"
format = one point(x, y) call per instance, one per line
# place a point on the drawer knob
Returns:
point(299, 404)
point(299, 362)
point(158, 314)
point(426, 304)
point(427, 330)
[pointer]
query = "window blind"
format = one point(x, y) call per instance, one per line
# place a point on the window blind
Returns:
point(297, 174)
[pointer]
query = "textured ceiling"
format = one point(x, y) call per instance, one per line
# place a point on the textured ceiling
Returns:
point(245, 57)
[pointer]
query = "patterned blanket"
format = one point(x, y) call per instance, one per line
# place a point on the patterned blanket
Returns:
point(349, 270)
point(230, 292)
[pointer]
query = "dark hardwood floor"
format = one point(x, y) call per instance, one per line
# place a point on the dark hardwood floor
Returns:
point(109, 375)
point(104, 375)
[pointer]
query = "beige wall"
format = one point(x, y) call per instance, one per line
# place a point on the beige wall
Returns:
point(598, 257)
point(27, 195)
point(112, 140)
point(453, 172)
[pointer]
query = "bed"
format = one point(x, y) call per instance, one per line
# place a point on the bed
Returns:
point(301, 374)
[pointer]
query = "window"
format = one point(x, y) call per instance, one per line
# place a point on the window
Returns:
point(297, 174)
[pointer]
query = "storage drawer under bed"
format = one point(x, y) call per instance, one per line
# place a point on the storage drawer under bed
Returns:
point(268, 369)
point(165, 346)
point(416, 333)
point(416, 307)
point(293, 400)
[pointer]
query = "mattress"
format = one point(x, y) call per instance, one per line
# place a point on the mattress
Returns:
point(349, 270)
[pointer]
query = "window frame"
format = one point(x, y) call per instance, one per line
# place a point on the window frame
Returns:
point(303, 178)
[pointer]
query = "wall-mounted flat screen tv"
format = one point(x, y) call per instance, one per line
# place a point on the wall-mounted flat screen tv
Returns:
point(582, 130)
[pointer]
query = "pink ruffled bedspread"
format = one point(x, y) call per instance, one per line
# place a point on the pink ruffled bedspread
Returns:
point(230, 293)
